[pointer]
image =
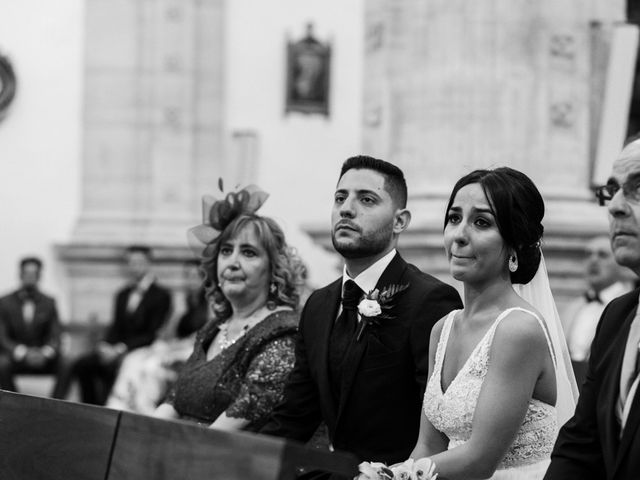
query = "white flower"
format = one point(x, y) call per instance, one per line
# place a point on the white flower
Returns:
point(410, 469)
point(404, 470)
point(369, 308)
point(424, 469)
point(373, 471)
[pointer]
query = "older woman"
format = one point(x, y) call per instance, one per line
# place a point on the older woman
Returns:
point(241, 358)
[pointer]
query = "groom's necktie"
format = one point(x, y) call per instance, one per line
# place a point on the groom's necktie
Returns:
point(342, 332)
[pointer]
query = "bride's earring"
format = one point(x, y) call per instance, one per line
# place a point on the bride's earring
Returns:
point(513, 263)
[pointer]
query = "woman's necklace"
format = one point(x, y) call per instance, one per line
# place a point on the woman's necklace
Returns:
point(225, 342)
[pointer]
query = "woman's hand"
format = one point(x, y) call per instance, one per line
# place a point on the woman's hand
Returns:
point(165, 411)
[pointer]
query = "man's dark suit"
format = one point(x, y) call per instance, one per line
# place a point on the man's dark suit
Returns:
point(139, 328)
point(384, 376)
point(133, 329)
point(43, 330)
point(589, 445)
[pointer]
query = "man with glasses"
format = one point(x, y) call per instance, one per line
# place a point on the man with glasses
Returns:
point(602, 440)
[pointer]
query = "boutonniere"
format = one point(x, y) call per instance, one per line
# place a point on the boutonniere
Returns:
point(376, 305)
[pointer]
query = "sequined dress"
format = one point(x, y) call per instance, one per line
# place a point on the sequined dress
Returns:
point(452, 411)
point(246, 380)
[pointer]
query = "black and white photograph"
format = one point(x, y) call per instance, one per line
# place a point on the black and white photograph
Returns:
point(320, 239)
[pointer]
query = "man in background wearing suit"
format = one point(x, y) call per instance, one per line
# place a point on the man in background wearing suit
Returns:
point(602, 440)
point(140, 309)
point(605, 280)
point(29, 328)
point(361, 366)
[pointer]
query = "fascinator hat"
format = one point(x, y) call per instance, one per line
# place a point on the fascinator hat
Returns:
point(218, 215)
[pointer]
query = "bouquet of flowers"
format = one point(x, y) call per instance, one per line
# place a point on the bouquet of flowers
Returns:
point(422, 469)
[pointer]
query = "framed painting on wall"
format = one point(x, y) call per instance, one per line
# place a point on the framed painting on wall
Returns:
point(308, 73)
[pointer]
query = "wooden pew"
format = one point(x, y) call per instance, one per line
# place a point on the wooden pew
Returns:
point(44, 439)
point(54, 440)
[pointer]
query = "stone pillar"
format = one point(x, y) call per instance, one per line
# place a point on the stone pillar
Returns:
point(153, 139)
point(453, 85)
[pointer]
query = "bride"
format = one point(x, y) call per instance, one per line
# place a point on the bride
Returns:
point(499, 381)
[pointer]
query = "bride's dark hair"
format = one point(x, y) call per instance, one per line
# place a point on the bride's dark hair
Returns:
point(518, 209)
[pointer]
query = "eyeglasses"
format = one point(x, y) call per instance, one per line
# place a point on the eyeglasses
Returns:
point(630, 190)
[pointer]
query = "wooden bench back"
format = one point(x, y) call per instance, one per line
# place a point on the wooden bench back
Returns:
point(45, 439)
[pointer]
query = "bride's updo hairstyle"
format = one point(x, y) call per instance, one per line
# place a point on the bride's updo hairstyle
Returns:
point(518, 209)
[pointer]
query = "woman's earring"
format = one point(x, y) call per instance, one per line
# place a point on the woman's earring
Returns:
point(271, 301)
point(513, 263)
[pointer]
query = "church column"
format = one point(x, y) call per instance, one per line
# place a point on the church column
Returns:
point(153, 139)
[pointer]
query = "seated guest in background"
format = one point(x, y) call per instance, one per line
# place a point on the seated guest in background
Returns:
point(147, 372)
point(605, 280)
point(29, 328)
point(243, 356)
point(140, 310)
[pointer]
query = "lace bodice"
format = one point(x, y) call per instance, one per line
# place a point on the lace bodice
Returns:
point(452, 411)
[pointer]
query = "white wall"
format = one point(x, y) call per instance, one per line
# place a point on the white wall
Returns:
point(299, 155)
point(40, 138)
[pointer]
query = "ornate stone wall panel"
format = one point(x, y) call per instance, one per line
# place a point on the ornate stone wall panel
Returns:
point(115, 47)
point(489, 83)
point(452, 85)
point(376, 103)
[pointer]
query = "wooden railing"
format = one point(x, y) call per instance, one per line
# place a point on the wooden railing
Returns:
point(45, 439)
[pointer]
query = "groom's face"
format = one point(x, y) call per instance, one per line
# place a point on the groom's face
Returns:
point(363, 214)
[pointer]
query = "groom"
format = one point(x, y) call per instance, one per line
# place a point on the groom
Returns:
point(364, 376)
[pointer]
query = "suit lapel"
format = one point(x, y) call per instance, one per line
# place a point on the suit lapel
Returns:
point(324, 319)
point(17, 317)
point(630, 429)
point(612, 391)
point(356, 349)
point(633, 420)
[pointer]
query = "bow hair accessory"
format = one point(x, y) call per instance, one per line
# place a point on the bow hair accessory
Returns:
point(218, 214)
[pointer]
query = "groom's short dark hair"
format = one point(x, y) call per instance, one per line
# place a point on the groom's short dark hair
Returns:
point(395, 183)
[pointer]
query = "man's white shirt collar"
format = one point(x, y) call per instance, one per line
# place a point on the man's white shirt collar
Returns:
point(368, 278)
point(144, 283)
point(614, 291)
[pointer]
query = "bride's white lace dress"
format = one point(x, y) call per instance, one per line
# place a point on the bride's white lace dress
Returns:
point(452, 411)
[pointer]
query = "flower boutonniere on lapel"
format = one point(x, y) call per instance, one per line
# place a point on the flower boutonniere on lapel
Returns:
point(376, 305)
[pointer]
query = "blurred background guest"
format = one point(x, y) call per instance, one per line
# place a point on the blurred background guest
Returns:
point(29, 328)
point(243, 356)
point(140, 310)
point(147, 372)
point(605, 280)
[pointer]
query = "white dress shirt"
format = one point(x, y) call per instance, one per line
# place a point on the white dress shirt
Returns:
point(368, 278)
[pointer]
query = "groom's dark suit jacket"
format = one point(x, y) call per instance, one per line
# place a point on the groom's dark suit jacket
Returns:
point(589, 444)
point(384, 376)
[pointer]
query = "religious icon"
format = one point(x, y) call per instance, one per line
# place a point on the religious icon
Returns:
point(308, 62)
